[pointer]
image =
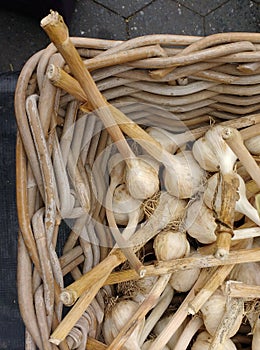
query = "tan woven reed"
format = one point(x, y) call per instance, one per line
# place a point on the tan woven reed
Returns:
point(173, 81)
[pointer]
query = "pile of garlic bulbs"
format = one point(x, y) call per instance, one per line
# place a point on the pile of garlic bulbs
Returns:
point(193, 177)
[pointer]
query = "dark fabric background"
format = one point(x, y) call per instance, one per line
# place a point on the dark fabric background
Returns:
point(11, 327)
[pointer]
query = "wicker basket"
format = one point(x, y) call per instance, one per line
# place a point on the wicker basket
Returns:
point(176, 82)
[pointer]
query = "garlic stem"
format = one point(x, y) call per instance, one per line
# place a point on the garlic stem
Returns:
point(171, 142)
point(157, 312)
point(189, 331)
point(234, 140)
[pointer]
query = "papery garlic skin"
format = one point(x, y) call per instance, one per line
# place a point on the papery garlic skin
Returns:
point(213, 311)
point(204, 155)
point(116, 318)
point(200, 222)
point(170, 245)
point(148, 343)
point(204, 339)
point(160, 326)
point(253, 145)
point(248, 273)
point(141, 177)
point(183, 280)
point(184, 178)
point(225, 156)
point(124, 204)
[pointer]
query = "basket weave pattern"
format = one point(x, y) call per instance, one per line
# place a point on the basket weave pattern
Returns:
point(212, 79)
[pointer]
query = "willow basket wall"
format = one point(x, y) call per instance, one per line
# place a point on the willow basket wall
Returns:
point(178, 83)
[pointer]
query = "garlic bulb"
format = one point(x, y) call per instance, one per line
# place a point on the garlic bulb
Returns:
point(183, 280)
point(248, 273)
point(124, 205)
point(171, 244)
point(185, 178)
point(253, 145)
point(169, 141)
point(213, 311)
point(141, 177)
point(204, 155)
point(204, 339)
point(213, 193)
point(160, 326)
point(148, 343)
point(116, 318)
point(200, 222)
point(213, 145)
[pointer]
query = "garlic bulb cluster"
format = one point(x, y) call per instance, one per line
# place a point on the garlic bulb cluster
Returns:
point(116, 318)
point(213, 311)
point(170, 245)
point(212, 152)
point(184, 177)
point(204, 339)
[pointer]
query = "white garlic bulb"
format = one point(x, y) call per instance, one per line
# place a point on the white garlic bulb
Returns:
point(183, 280)
point(148, 343)
point(185, 177)
point(213, 194)
point(200, 222)
point(204, 339)
point(253, 145)
point(141, 177)
point(116, 318)
point(248, 273)
point(213, 311)
point(204, 155)
point(124, 204)
point(214, 144)
point(171, 244)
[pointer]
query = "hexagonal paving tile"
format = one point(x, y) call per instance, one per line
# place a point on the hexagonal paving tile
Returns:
point(236, 15)
point(203, 7)
point(166, 16)
point(125, 8)
point(93, 20)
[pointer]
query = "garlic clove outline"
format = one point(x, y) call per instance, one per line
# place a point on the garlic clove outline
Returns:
point(200, 222)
